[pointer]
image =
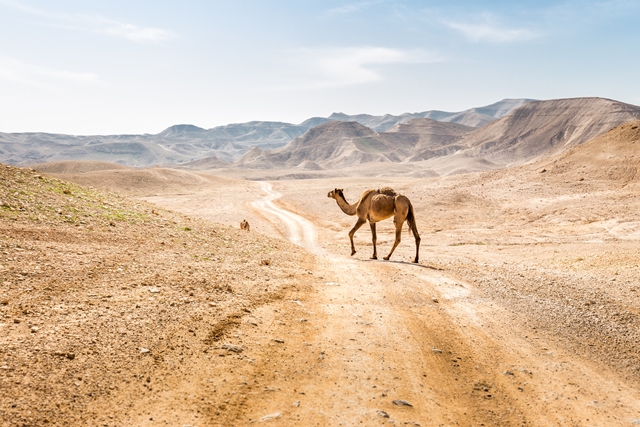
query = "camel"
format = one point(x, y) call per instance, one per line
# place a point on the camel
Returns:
point(244, 225)
point(374, 206)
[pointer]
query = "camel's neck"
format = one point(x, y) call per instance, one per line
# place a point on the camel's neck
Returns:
point(345, 206)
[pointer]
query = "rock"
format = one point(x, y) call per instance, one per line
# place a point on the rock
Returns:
point(303, 320)
point(144, 350)
point(382, 414)
point(4, 302)
point(232, 348)
point(543, 170)
point(154, 290)
point(279, 341)
point(399, 402)
point(212, 304)
point(296, 403)
point(265, 262)
point(68, 355)
point(434, 299)
point(270, 417)
point(34, 329)
point(436, 350)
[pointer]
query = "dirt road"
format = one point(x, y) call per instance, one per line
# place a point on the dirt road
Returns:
point(391, 342)
point(298, 230)
point(522, 311)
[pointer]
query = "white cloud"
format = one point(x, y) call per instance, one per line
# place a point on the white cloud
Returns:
point(488, 30)
point(49, 79)
point(351, 8)
point(336, 67)
point(137, 34)
point(127, 31)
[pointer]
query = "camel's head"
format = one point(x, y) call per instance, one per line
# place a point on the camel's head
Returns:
point(335, 193)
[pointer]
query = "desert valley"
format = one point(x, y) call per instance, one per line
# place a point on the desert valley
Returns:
point(129, 295)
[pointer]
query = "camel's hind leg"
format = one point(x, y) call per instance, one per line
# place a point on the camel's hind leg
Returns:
point(414, 230)
point(353, 231)
point(374, 239)
point(398, 223)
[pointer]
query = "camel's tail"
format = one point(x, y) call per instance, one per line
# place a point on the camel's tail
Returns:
point(411, 221)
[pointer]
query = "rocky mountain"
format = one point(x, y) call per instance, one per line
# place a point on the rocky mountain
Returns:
point(474, 117)
point(174, 145)
point(545, 128)
point(188, 144)
point(421, 139)
point(534, 130)
point(333, 144)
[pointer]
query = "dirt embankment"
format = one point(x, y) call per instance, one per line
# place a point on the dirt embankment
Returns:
point(107, 304)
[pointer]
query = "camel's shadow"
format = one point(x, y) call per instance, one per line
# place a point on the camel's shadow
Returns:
point(412, 264)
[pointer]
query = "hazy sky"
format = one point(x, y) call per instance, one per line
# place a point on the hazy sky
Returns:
point(105, 67)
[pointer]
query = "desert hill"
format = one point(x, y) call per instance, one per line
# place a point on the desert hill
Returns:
point(131, 150)
point(76, 166)
point(473, 117)
point(174, 145)
point(339, 144)
point(103, 292)
point(139, 182)
point(545, 128)
point(333, 144)
point(184, 144)
point(588, 188)
point(613, 156)
point(205, 163)
point(426, 138)
point(534, 130)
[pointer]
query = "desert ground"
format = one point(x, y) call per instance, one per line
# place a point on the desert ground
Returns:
point(151, 307)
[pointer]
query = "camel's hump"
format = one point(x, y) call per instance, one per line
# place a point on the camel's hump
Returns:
point(387, 191)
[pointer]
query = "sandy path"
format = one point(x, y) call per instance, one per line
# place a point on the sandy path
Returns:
point(299, 230)
point(377, 334)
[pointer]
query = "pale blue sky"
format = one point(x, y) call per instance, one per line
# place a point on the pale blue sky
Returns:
point(118, 66)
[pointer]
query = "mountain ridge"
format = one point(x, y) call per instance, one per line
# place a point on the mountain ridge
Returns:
point(531, 131)
point(186, 143)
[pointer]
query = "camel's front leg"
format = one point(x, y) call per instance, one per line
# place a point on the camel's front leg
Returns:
point(374, 239)
point(353, 231)
point(397, 242)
